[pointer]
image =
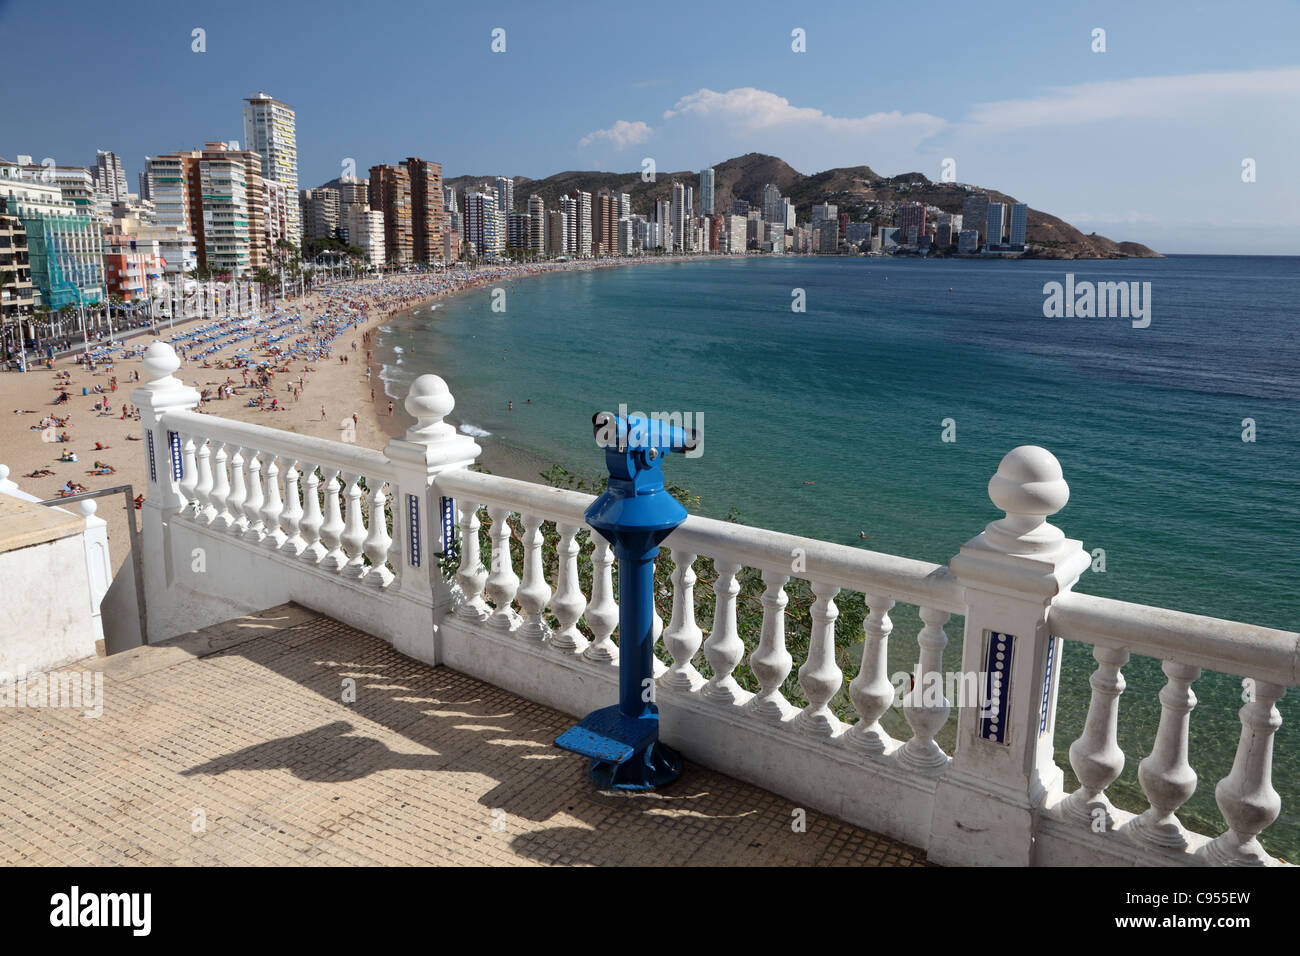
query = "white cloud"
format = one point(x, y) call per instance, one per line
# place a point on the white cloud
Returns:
point(1153, 97)
point(755, 110)
point(621, 135)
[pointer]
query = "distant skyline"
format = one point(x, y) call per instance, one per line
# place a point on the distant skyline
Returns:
point(1144, 142)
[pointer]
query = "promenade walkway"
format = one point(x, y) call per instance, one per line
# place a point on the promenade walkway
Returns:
point(240, 744)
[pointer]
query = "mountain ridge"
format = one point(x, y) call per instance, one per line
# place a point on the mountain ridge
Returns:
point(856, 189)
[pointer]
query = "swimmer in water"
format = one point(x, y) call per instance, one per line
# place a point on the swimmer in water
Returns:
point(512, 405)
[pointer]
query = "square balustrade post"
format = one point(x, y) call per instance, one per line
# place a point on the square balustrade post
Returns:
point(430, 447)
point(986, 807)
point(163, 392)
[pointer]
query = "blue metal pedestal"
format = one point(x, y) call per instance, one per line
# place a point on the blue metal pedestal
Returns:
point(634, 514)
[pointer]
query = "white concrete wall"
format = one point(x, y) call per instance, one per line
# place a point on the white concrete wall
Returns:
point(48, 619)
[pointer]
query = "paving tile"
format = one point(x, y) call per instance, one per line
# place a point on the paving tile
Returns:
point(235, 745)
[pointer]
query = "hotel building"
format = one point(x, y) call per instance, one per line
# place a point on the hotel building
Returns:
point(390, 193)
point(270, 131)
point(427, 215)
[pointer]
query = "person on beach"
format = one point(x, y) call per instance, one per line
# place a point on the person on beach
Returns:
point(322, 413)
point(390, 408)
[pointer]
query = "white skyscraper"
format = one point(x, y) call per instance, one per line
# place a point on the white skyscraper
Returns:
point(679, 216)
point(109, 176)
point(483, 223)
point(505, 195)
point(269, 130)
point(583, 230)
point(706, 191)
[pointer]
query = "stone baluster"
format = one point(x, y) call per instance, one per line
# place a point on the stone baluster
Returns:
point(502, 583)
point(683, 636)
point(331, 532)
point(221, 516)
point(602, 612)
point(395, 537)
point(291, 516)
point(770, 661)
point(378, 540)
point(820, 678)
point(871, 691)
point(534, 595)
point(925, 707)
point(354, 531)
point(1166, 777)
point(1246, 797)
point(189, 473)
point(1096, 756)
point(313, 520)
point(238, 492)
point(273, 508)
point(569, 602)
point(203, 510)
point(724, 648)
point(253, 503)
point(472, 575)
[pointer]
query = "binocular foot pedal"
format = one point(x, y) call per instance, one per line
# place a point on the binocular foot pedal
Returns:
point(625, 751)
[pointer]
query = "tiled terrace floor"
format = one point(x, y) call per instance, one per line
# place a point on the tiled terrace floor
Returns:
point(234, 745)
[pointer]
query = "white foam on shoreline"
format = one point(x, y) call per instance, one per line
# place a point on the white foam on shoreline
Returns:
point(473, 430)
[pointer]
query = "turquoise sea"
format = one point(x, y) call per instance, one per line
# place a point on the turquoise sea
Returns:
point(828, 423)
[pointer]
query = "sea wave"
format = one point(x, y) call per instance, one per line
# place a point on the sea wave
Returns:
point(473, 430)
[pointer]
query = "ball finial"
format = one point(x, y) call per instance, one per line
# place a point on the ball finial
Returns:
point(1028, 486)
point(429, 401)
point(87, 507)
point(160, 361)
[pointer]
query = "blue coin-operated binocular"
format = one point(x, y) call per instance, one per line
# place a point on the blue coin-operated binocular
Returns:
point(634, 514)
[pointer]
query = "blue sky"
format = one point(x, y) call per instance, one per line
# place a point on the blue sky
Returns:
point(1144, 141)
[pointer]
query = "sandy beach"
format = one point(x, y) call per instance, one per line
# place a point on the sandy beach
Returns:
point(341, 388)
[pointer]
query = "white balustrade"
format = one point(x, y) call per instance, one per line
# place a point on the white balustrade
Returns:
point(282, 492)
point(220, 507)
point(189, 472)
point(683, 636)
point(568, 603)
point(1096, 757)
point(378, 542)
point(331, 532)
point(254, 500)
point(291, 516)
point(534, 594)
point(312, 519)
point(771, 662)
point(871, 691)
point(472, 575)
point(238, 491)
point(724, 648)
point(820, 678)
point(602, 612)
point(502, 583)
point(1246, 796)
point(273, 507)
point(1167, 779)
point(925, 707)
point(203, 510)
point(353, 538)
